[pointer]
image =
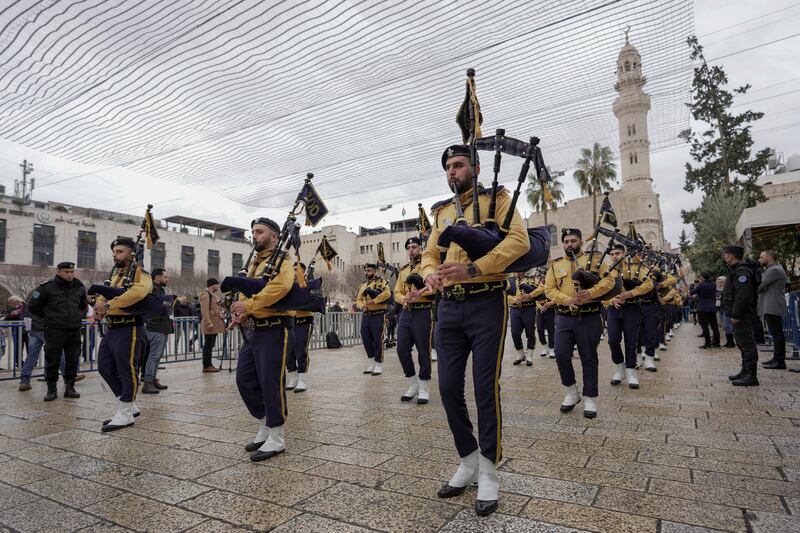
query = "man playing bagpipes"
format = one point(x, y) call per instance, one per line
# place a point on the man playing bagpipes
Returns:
point(372, 301)
point(522, 301)
point(298, 361)
point(122, 345)
point(261, 369)
point(415, 327)
point(624, 318)
point(545, 319)
point(578, 320)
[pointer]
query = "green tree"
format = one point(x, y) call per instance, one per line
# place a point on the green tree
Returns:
point(536, 195)
point(715, 227)
point(595, 172)
point(722, 150)
point(683, 241)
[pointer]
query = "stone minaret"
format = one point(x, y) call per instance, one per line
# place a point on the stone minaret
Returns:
point(630, 108)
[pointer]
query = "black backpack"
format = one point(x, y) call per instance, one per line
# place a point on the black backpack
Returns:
point(332, 340)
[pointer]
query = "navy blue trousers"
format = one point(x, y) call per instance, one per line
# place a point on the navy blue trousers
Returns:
point(624, 324)
point(523, 319)
point(118, 360)
point(648, 332)
point(583, 332)
point(476, 325)
point(372, 336)
point(261, 374)
point(546, 321)
point(415, 328)
point(298, 360)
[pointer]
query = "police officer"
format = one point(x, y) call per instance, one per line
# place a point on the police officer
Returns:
point(739, 298)
point(625, 317)
point(472, 317)
point(62, 303)
point(298, 361)
point(415, 327)
point(121, 347)
point(372, 300)
point(578, 320)
point(522, 311)
point(261, 370)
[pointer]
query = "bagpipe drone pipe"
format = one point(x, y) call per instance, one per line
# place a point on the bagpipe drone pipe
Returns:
point(151, 306)
point(299, 298)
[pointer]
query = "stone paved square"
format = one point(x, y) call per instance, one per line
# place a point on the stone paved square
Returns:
point(686, 452)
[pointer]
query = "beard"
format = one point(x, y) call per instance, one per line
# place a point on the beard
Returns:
point(569, 251)
point(260, 247)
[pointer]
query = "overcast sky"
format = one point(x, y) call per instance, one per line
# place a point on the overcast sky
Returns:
point(724, 28)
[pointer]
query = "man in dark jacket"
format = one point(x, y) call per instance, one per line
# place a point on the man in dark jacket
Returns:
point(157, 330)
point(705, 294)
point(62, 302)
point(772, 305)
point(739, 302)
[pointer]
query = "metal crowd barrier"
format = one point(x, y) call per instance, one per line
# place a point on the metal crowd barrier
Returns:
point(791, 324)
point(185, 344)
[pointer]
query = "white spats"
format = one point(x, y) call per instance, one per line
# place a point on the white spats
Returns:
point(422, 397)
point(301, 382)
point(571, 398)
point(662, 347)
point(633, 379)
point(275, 441)
point(377, 370)
point(619, 374)
point(552, 353)
point(291, 380)
point(589, 407)
point(413, 389)
point(434, 358)
point(649, 364)
point(467, 471)
point(520, 356)
point(370, 368)
point(488, 483)
point(545, 351)
point(263, 431)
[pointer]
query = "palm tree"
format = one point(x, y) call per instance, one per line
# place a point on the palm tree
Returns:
point(595, 172)
point(536, 195)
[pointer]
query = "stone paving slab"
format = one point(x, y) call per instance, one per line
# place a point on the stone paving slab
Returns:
point(686, 453)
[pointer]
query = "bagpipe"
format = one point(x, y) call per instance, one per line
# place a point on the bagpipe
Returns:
point(152, 306)
point(479, 238)
point(414, 279)
point(301, 297)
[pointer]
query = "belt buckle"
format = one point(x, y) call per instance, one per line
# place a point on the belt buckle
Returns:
point(458, 292)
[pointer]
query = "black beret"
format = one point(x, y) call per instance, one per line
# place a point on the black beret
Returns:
point(211, 281)
point(457, 149)
point(65, 264)
point(370, 265)
point(620, 247)
point(123, 241)
point(268, 222)
point(412, 240)
point(735, 250)
point(571, 231)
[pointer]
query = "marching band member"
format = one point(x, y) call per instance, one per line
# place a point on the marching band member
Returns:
point(372, 300)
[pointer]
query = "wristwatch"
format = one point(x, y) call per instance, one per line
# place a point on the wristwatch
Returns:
point(472, 270)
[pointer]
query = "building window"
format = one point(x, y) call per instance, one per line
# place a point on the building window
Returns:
point(633, 129)
point(187, 260)
point(44, 243)
point(2, 240)
point(635, 157)
point(87, 249)
point(213, 263)
point(158, 256)
point(395, 246)
point(236, 262)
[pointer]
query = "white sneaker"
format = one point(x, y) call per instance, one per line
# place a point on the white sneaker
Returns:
point(467, 471)
point(619, 374)
point(433, 355)
point(571, 399)
point(413, 389)
point(122, 418)
point(649, 364)
point(301, 382)
point(662, 346)
point(633, 379)
point(488, 483)
point(422, 397)
point(545, 351)
point(291, 382)
point(590, 407)
point(552, 353)
point(377, 370)
point(371, 367)
point(520, 356)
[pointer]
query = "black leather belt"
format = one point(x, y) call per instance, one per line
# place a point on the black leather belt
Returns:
point(303, 320)
point(375, 312)
point(464, 291)
point(582, 310)
point(420, 305)
point(272, 322)
point(523, 306)
point(123, 322)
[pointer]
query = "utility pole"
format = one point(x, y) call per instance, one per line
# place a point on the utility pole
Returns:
point(21, 190)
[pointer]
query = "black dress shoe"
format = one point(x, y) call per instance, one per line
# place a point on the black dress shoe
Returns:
point(774, 364)
point(736, 376)
point(528, 363)
point(568, 408)
point(253, 446)
point(705, 347)
point(448, 491)
point(517, 361)
point(108, 427)
point(485, 507)
point(748, 379)
point(406, 398)
point(263, 456)
point(589, 414)
point(106, 422)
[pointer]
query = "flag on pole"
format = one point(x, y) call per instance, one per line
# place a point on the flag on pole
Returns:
point(470, 108)
point(315, 207)
point(608, 212)
point(149, 227)
point(326, 251)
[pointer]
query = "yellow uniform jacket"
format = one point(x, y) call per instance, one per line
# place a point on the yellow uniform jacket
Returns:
point(142, 286)
point(559, 286)
point(379, 302)
point(258, 304)
point(401, 288)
